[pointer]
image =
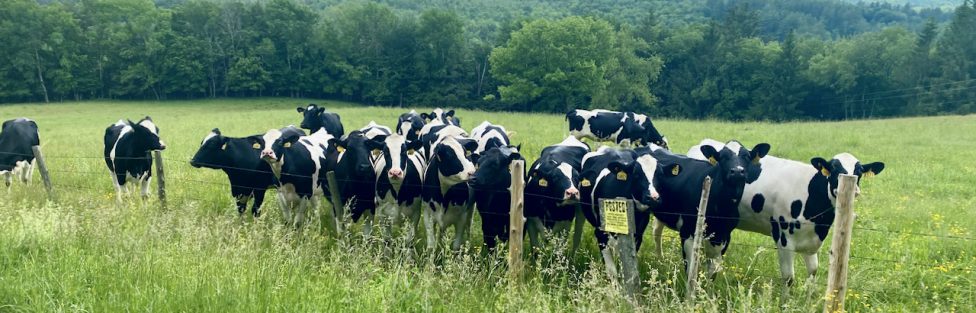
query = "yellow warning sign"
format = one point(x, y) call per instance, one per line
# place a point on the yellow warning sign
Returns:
point(615, 216)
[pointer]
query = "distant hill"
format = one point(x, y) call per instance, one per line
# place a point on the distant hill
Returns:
point(944, 4)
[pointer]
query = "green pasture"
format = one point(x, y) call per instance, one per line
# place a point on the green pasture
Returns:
point(913, 245)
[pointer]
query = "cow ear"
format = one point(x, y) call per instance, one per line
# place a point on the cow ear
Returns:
point(518, 147)
point(759, 152)
point(449, 113)
point(300, 110)
point(425, 116)
point(377, 142)
point(470, 145)
point(872, 169)
point(414, 145)
point(821, 165)
point(710, 153)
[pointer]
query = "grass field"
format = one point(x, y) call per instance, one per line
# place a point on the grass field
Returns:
point(913, 247)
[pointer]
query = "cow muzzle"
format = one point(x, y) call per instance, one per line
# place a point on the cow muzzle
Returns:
point(571, 194)
point(395, 173)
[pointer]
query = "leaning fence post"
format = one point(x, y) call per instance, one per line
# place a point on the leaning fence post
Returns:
point(691, 285)
point(160, 177)
point(42, 166)
point(617, 217)
point(516, 219)
point(338, 208)
point(841, 245)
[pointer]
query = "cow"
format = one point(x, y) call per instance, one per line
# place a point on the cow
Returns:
point(610, 173)
point(445, 190)
point(552, 190)
point(399, 180)
point(681, 189)
point(409, 124)
point(350, 160)
point(17, 139)
point(298, 162)
point(432, 133)
point(240, 159)
point(127, 146)
point(315, 117)
point(793, 202)
point(623, 128)
point(442, 117)
point(492, 181)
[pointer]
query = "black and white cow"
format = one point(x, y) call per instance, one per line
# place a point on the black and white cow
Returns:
point(409, 124)
point(399, 183)
point(793, 203)
point(350, 159)
point(17, 138)
point(434, 132)
point(552, 190)
point(681, 188)
point(446, 191)
point(442, 117)
point(315, 117)
point(492, 181)
point(488, 136)
point(298, 161)
point(127, 145)
point(240, 159)
point(624, 128)
point(610, 173)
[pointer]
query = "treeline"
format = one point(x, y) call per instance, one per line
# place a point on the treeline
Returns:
point(728, 65)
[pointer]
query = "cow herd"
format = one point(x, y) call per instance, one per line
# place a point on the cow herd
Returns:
point(429, 167)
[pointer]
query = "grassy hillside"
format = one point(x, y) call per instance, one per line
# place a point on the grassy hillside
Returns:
point(84, 253)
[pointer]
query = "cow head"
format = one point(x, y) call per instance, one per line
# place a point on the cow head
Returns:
point(844, 163)
point(312, 116)
point(558, 180)
point(652, 136)
point(731, 164)
point(409, 124)
point(493, 167)
point(289, 133)
point(445, 117)
point(396, 153)
point(452, 155)
point(146, 135)
point(356, 150)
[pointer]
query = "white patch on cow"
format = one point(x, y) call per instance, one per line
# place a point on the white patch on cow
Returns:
point(269, 138)
point(599, 177)
point(648, 165)
point(372, 130)
point(567, 171)
point(449, 131)
point(735, 146)
point(209, 136)
point(148, 124)
point(848, 161)
point(695, 151)
point(125, 130)
point(571, 141)
point(482, 134)
point(479, 130)
point(601, 151)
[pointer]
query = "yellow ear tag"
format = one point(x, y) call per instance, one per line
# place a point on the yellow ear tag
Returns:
point(340, 149)
point(224, 147)
point(825, 172)
point(712, 160)
point(543, 182)
point(256, 146)
point(675, 170)
point(376, 152)
point(287, 145)
point(869, 174)
point(621, 175)
point(417, 132)
point(585, 183)
point(755, 160)
point(410, 152)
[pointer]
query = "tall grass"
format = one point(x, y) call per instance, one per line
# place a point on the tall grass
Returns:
point(82, 252)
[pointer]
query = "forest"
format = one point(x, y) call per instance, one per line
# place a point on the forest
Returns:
point(731, 60)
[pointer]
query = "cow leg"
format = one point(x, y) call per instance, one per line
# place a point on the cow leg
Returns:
point(713, 253)
point(786, 265)
point(811, 261)
point(367, 224)
point(144, 181)
point(658, 232)
point(7, 178)
point(285, 205)
point(412, 228)
point(258, 201)
point(577, 229)
point(534, 227)
point(460, 231)
point(430, 227)
point(603, 240)
point(240, 197)
point(117, 180)
point(303, 205)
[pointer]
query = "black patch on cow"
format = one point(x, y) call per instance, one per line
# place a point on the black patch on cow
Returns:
point(757, 202)
point(774, 227)
point(791, 228)
point(795, 208)
point(782, 239)
point(782, 222)
point(819, 208)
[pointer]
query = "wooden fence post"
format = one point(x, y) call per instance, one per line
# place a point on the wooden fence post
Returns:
point(516, 219)
point(160, 177)
point(42, 166)
point(617, 217)
point(691, 285)
point(338, 208)
point(841, 245)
